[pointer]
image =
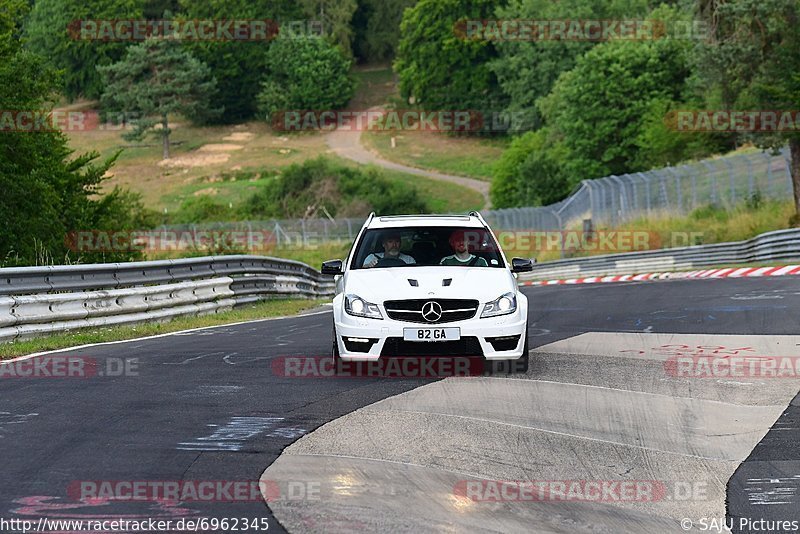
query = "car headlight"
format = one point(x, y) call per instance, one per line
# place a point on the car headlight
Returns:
point(355, 305)
point(503, 305)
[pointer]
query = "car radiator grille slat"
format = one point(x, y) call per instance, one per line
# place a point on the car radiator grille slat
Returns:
point(411, 310)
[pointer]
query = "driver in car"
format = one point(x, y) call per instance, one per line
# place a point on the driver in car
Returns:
point(462, 256)
point(391, 250)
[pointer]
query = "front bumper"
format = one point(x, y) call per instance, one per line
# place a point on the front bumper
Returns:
point(382, 335)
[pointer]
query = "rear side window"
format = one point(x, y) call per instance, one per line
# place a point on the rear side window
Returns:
point(427, 246)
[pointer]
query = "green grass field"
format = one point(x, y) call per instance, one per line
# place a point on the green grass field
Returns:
point(461, 156)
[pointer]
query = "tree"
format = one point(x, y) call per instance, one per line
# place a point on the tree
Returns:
point(377, 29)
point(440, 69)
point(50, 33)
point(530, 172)
point(46, 192)
point(528, 69)
point(600, 106)
point(155, 79)
point(304, 74)
point(238, 66)
point(335, 16)
point(753, 59)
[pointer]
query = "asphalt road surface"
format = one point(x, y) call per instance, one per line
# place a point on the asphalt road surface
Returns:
point(598, 403)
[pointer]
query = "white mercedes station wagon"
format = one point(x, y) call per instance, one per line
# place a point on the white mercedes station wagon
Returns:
point(428, 285)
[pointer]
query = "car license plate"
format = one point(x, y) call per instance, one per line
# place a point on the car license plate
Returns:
point(432, 334)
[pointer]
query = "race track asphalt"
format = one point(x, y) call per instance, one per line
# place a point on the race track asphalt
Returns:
point(211, 405)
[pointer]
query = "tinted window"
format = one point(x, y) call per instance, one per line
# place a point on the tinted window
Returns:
point(427, 246)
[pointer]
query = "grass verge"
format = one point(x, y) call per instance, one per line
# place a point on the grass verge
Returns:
point(702, 226)
point(461, 156)
point(259, 310)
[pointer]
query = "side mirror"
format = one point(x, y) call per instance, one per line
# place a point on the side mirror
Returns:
point(521, 265)
point(332, 267)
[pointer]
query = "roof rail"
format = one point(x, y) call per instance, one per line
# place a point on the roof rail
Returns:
point(425, 215)
point(478, 215)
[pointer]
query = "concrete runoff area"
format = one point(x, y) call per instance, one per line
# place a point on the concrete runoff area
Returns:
point(598, 407)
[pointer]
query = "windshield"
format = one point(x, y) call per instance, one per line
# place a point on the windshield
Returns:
point(427, 246)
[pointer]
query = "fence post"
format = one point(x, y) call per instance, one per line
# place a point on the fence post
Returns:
point(678, 192)
point(646, 190)
point(712, 174)
point(662, 185)
point(693, 176)
point(620, 205)
point(592, 198)
point(732, 180)
point(750, 176)
point(768, 160)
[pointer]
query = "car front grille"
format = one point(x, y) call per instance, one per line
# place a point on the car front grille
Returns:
point(411, 310)
point(466, 346)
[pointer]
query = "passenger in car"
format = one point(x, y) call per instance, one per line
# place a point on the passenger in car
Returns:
point(391, 250)
point(462, 256)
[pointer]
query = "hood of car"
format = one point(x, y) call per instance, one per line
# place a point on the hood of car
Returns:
point(400, 283)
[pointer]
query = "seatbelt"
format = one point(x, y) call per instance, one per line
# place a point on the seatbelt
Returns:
point(473, 261)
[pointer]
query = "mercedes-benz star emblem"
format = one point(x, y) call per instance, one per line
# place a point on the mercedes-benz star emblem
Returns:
point(431, 311)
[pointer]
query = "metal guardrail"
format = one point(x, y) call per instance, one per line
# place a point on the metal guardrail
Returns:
point(771, 246)
point(43, 300)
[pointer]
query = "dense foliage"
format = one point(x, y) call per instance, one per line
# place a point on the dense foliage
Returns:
point(319, 185)
point(586, 108)
point(528, 69)
point(52, 33)
point(752, 62)
point(47, 192)
point(303, 74)
point(604, 114)
point(438, 69)
point(377, 29)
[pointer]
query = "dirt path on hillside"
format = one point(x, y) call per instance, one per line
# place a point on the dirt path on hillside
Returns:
point(347, 144)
